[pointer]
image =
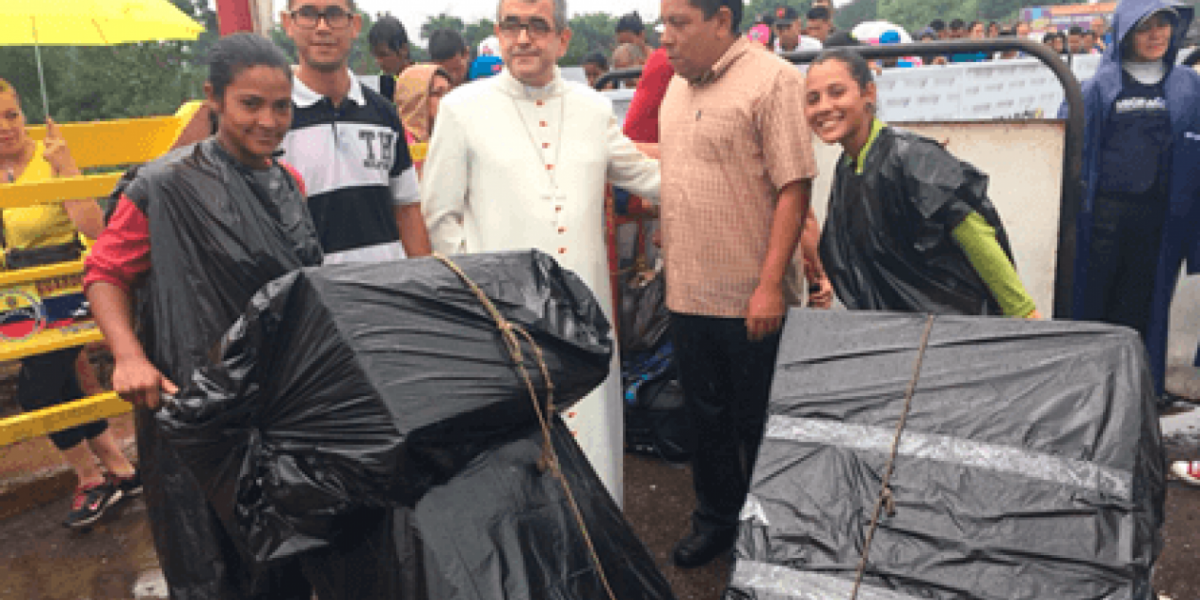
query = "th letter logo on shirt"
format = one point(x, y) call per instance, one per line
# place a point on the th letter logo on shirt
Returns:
point(383, 158)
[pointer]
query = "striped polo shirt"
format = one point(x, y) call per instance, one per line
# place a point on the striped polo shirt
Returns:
point(356, 167)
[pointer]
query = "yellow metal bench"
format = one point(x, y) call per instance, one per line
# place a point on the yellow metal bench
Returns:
point(110, 144)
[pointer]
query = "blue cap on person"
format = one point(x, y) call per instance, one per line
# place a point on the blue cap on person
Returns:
point(890, 36)
point(485, 66)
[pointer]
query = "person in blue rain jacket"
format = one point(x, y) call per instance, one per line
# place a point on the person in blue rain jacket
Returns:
point(1141, 174)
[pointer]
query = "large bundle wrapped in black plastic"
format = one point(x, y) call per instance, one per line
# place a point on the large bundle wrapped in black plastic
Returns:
point(1030, 467)
point(504, 529)
point(356, 386)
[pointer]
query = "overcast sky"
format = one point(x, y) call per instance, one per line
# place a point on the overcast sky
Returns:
point(414, 12)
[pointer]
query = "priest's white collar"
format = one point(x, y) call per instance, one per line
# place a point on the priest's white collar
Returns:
point(303, 96)
point(511, 86)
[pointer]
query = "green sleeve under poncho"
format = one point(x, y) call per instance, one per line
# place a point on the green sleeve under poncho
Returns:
point(910, 228)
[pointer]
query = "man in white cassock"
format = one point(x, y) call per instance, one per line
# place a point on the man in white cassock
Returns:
point(520, 161)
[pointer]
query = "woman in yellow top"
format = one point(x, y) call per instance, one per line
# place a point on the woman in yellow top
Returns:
point(47, 234)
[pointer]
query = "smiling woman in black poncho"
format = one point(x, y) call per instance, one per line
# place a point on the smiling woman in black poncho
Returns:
point(910, 227)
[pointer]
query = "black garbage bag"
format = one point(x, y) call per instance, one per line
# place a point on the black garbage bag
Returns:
point(644, 315)
point(504, 529)
point(359, 386)
point(1031, 465)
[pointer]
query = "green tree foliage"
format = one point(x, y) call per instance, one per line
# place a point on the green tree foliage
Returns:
point(18, 66)
point(136, 80)
point(757, 8)
point(590, 33)
point(914, 15)
point(1004, 10)
point(856, 12)
point(361, 60)
point(441, 21)
point(1009, 11)
point(418, 53)
point(478, 31)
point(285, 43)
point(111, 82)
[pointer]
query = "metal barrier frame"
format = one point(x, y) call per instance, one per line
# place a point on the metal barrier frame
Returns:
point(1071, 199)
point(95, 144)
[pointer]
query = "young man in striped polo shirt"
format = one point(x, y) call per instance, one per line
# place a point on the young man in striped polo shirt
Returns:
point(348, 144)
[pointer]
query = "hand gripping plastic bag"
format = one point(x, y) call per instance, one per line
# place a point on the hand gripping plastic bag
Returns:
point(217, 235)
point(361, 385)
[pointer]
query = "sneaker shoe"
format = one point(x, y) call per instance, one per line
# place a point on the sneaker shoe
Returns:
point(90, 504)
point(1187, 471)
point(131, 486)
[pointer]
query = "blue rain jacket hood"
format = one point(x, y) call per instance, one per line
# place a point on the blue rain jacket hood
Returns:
point(1181, 231)
point(1131, 12)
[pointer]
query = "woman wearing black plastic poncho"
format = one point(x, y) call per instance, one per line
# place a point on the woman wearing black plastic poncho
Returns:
point(192, 237)
point(909, 226)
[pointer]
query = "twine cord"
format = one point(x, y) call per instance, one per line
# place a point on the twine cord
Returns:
point(512, 335)
point(887, 500)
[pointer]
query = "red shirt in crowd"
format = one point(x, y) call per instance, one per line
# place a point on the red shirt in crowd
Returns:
point(641, 122)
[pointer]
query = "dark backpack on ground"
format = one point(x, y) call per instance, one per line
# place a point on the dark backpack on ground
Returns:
point(656, 420)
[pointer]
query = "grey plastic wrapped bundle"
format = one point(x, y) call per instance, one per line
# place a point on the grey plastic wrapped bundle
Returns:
point(1030, 465)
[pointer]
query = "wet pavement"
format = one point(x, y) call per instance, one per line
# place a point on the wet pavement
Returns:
point(1176, 575)
point(40, 560)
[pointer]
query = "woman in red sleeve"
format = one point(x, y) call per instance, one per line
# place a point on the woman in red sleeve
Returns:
point(193, 236)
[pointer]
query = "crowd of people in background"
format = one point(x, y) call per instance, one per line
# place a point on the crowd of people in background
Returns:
point(782, 30)
point(448, 50)
point(1073, 40)
point(787, 30)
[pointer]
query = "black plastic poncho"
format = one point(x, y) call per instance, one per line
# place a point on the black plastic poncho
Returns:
point(216, 236)
point(887, 241)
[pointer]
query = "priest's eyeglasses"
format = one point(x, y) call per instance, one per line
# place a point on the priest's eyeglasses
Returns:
point(308, 17)
point(536, 28)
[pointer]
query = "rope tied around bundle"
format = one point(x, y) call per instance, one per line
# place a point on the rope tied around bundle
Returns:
point(887, 499)
point(512, 335)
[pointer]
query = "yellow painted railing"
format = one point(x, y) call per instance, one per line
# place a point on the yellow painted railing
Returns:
point(108, 144)
point(40, 422)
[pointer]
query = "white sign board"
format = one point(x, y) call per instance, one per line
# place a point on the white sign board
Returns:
point(1021, 88)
